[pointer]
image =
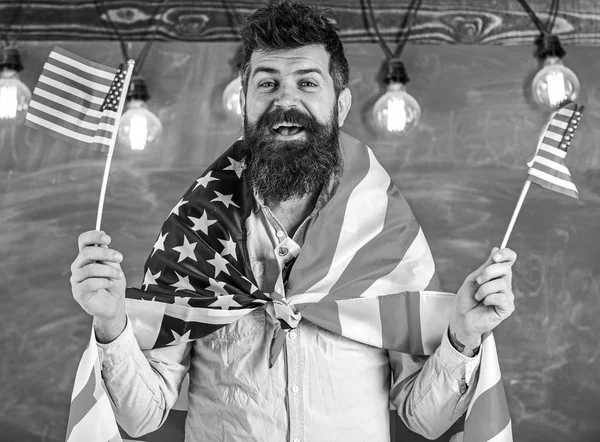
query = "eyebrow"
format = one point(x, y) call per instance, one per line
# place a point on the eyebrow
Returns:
point(298, 72)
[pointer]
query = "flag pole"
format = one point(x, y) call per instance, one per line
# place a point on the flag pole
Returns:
point(515, 213)
point(113, 139)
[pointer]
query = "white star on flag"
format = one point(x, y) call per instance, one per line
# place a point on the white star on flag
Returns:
point(228, 247)
point(182, 300)
point(160, 243)
point(203, 181)
point(225, 199)
point(237, 166)
point(225, 301)
point(202, 223)
point(150, 279)
point(181, 339)
point(175, 209)
point(253, 288)
point(217, 287)
point(183, 283)
point(186, 250)
point(219, 263)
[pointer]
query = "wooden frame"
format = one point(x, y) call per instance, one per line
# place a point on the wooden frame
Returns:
point(438, 21)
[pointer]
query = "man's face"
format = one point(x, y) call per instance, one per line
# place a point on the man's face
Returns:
point(296, 78)
point(291, 122)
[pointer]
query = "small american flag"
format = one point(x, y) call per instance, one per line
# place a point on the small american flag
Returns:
point(365, 272)
point(77, 100)
point(548, 168)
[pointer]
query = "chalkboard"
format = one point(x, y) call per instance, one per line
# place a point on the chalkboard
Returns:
point(462, 172)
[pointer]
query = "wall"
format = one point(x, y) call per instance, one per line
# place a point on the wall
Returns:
point(462, 172)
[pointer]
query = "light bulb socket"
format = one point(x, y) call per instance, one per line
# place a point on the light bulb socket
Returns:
point(138, 90)
point(549, 46)
point(11, 59)
point(396, 72)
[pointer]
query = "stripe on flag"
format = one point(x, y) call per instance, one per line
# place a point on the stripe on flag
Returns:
point(362, 320)
point(76, 100)
point(95, 69)
point(82, 82)
point(435, 308)
point(95, 97)
point(398, 221)
point(553, 183)
point(406, 334)
point(565, 111)
point(365, 197)
point(73, 137)
point(553, 136)
point(552, 150)
point(413, 272)
point(479, 424)
point(98, 424)
point(90, 416)
point(489, 396)
point(70, 107)
point(59, 115)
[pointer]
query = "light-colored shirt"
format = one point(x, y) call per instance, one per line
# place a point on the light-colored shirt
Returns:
point(323, 387)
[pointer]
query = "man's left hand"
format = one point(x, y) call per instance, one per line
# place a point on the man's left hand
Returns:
point(484, 301)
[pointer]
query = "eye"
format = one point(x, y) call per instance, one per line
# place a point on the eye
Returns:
point(308, 83)
point(266, 84)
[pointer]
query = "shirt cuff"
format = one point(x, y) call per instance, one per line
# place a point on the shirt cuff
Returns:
point(117, 351)
point(457, 364)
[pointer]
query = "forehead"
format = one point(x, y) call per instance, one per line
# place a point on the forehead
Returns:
point(314, 56)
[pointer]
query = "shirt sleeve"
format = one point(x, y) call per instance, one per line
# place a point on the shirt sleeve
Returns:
point(431, 393)
point(142, 385)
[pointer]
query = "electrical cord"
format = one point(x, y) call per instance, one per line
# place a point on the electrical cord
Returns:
point(552, 15)
point(101, 8)
point(382, 43)
point(12, 21)
point(545, 29)
point(410, 18)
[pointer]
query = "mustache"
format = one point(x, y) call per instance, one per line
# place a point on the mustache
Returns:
point(292, 116)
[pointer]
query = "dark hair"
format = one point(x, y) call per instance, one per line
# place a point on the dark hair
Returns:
point(282, 25)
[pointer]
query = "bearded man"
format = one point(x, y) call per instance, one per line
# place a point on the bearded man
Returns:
point(263, 215)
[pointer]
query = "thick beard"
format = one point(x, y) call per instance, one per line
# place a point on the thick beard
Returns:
point(281, 170)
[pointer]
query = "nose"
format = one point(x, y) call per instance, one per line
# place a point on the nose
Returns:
point(287, 97)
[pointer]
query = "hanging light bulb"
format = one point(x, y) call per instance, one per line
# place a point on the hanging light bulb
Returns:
point(231, 98)
point(14, 94)
point(396, 112)
point(554, 83)
point(139, 127)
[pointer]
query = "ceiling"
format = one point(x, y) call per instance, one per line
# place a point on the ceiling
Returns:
point(438, 21)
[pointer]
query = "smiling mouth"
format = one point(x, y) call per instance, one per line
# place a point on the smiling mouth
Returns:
point(287, 129)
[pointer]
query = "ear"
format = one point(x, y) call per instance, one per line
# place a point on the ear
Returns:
point(242, 101)
point(344, 103)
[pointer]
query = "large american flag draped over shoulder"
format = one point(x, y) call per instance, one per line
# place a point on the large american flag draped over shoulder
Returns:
point(548, 167)
point(76, 100)
point(365, 272)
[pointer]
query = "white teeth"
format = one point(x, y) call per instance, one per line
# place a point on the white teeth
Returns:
point(277, 126)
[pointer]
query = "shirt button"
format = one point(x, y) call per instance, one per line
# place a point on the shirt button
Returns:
point(283, 251)
point(280, 234)
point(295, 389)
point(292, 335)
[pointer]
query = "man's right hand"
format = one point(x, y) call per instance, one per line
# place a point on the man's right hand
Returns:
point(98, 284)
